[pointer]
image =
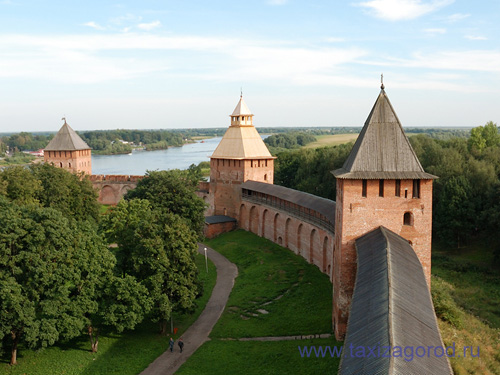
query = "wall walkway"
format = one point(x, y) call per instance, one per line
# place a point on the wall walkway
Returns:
point(296, 220)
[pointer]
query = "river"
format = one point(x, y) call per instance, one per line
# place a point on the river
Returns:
point(141, 161)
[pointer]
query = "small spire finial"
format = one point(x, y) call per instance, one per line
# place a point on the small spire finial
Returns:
point(241, 92)
point(64, 119)
point(382, 81)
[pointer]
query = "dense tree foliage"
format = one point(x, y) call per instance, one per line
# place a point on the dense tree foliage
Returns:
point(309, 170)
point(50, 269)
point(174, 192)
point(466, 193)
point(158, 248)
point(26, 141)
point(289, 140)
point(48, 186)
point(57, 276)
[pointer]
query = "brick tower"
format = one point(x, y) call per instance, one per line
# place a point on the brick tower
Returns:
point(67, 150)
point(240, 156)
point(382, 183)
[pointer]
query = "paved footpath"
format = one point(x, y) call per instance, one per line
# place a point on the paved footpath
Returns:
point(198, 333)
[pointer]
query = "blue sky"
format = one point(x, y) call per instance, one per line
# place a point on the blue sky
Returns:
point(180, 64)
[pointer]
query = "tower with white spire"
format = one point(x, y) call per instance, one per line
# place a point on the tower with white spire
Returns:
point(240, 156)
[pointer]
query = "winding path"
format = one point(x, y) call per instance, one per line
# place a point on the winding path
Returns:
point(197, 334)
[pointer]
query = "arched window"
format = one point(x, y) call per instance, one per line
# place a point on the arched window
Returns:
point(265, 177)
point(408, 218)
point(60, 164)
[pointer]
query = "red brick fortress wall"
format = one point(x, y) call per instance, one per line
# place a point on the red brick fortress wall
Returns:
point(112, 188)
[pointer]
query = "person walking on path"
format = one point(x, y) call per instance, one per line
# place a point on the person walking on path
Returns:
point(171, 345)
point(180, 343)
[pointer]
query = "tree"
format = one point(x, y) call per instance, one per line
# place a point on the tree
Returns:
point(48, 186)
point(19, 185)
point(173, 191)
point(72, 194)
point(123, 303)
point(157, 248)
point(50, 270)
point(310, 170)
point(482, 137)
point(454, 215)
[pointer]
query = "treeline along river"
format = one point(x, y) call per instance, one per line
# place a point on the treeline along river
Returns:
point(141, 161)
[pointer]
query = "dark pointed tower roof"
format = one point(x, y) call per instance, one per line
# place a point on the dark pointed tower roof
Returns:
point(382, 150)
point(66, 139)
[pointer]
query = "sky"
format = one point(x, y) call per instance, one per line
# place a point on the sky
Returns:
point(154, 64)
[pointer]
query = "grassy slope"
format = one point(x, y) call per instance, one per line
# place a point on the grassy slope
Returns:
point(266, 272)
point(296, 294)
point(466, 294)
point(126, 353)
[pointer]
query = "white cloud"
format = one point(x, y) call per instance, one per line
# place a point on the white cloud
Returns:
point(457, 17)
point(149, 26)
point(94, 25)
point(90, 58)
point(396, 10)
point(277, 2)
point(127, 18)
point(334, 40)
point(435, 31)
point(471, 60)
point(475, 37)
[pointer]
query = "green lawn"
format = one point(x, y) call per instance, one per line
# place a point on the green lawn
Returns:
point(297, 298)
point(259, 358)
point(295, 294)
point(126, 353)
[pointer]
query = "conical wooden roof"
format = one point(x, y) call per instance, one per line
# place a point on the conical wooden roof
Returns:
point(242, 109)
point(241, 141)
point(382, 150)
point(66, 139)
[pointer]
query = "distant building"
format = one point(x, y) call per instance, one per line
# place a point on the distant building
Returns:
point(38, 153)
point(67, 150)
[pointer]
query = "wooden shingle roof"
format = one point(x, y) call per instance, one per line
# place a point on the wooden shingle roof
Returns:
point(66, 139)
point(391, 307)
point(241, 141)
point(382, 150)
point(324, 206)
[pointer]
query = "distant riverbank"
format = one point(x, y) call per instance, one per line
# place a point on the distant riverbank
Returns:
point(140, 161)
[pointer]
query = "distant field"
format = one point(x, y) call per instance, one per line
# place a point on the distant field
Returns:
point(332, 140)
point(337, 139)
